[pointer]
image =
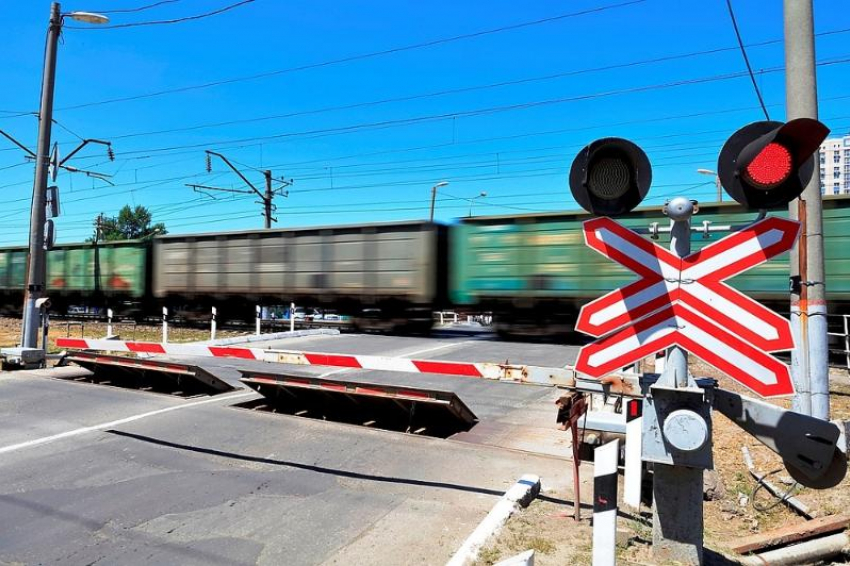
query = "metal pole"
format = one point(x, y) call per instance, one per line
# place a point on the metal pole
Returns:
point(36, 269)
point(677, 521)
point(433, 198)
point(846, 343)
point(267, 199)
point(680, 244)
point(801, 102)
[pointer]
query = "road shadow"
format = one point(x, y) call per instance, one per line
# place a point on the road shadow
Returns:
point(325, 470)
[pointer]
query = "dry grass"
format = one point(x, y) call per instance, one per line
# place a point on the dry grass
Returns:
point(556, 539)
point(726, 521)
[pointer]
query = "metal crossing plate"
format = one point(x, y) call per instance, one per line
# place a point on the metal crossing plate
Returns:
point(143, 373)
point(410, 405)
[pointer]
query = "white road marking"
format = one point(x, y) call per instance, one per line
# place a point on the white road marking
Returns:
point(440, 347)
point(101, 426)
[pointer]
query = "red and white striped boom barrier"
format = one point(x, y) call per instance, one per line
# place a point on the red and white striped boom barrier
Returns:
point(622, 383)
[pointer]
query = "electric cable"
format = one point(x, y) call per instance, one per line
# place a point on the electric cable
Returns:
point(362, 56)
point(138, 9)
point(164, 22)
point(747, 59)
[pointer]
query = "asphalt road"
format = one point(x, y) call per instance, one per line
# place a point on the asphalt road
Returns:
point(100, 475)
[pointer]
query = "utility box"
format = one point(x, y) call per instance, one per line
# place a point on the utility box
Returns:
point(22, 358)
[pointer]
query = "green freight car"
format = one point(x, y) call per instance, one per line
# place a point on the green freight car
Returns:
point(110, 273)
point(534, 271)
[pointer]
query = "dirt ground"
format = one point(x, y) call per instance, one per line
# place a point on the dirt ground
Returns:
point(10, 332)
point(558, 540)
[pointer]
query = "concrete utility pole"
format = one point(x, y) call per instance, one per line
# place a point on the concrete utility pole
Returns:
point(36, 264)
point(809, 362)
point(267, 199)
point(36, 261)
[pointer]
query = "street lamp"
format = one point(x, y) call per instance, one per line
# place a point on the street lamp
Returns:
point(88, 17)
point(434, 195)
point(36, 272)
point(716, 181)
point(473, 199)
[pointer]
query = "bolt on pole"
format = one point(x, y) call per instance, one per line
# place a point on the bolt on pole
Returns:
point(36, 264)
point(808, 306)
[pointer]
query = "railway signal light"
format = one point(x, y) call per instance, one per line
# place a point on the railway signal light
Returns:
point(767, 164)
point(610, 177)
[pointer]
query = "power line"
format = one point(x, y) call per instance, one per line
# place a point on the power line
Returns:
point(166, 22)
point(476, 112)
point(139, 9)
point(445, 92)
point(360, 57)
point(440, 93)
point(746, 59)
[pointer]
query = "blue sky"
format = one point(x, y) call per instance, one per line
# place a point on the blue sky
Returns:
point(376, 158)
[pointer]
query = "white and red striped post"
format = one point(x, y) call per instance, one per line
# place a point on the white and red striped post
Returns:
point(109, 322)
point(213, 324)
point(259, 313)
point(165, 325)
point(292, 317)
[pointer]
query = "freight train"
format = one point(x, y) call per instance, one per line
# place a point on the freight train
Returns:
point(532, 271)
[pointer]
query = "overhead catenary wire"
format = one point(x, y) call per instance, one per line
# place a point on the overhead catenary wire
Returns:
point(136, 9)
point(640, 121)
point(674, 147)
point(445, 92)
point(563, 205)
point(448, 166)
point(524, 174)
point(382, 124)
point(360, 57)
point(747, 59)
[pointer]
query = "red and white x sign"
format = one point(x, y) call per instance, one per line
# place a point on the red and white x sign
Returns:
point(685, 301)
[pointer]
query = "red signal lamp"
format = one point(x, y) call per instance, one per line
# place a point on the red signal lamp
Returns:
point(770, 167)
point(768, 164)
